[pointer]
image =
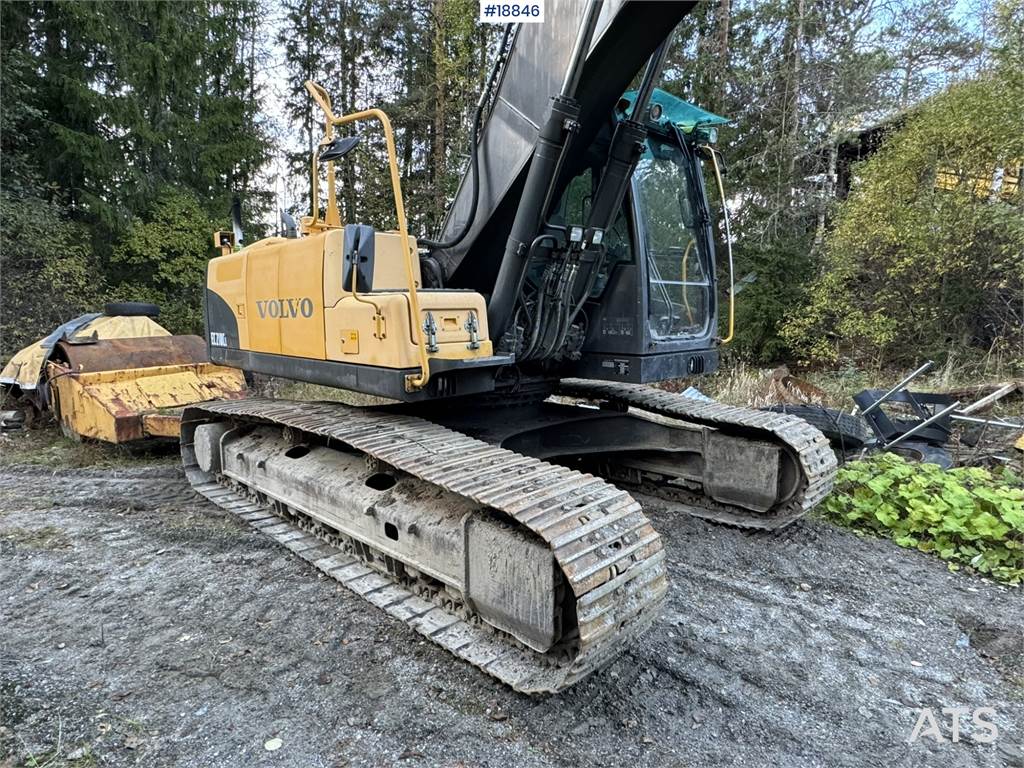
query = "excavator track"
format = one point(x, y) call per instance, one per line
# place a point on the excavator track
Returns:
point(610, 559)
point(810, 448)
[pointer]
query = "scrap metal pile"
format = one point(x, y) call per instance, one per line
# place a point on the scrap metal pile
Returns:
point(955, 428)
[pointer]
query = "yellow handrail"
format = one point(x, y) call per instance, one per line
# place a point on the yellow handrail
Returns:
point(728, 244)
point(331, 218)
point(321, 97)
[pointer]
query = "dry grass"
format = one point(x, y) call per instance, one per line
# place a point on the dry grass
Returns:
point(47, 537)
point(744, 384)
point(55, 758)
point(11, 499)
point(739, 384)
point(49, 447)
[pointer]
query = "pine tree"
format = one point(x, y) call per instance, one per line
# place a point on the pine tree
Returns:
point(108, 109)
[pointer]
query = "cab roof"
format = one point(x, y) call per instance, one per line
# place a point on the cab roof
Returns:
point(682, 114)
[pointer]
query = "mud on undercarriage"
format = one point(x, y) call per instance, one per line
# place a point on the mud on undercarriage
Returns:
point(535, 572)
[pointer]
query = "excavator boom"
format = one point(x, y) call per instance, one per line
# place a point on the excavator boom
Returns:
point(539, 57)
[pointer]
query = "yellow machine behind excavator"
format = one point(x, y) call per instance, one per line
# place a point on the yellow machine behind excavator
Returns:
point(118, 376)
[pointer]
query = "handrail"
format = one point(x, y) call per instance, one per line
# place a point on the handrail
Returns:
point(686, 295)
point(321, 97)
point(331, 217)
point(728, 244)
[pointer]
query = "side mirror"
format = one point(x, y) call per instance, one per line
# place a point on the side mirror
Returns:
point(337, 149)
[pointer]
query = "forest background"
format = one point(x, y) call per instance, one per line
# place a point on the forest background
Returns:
point(127, 128)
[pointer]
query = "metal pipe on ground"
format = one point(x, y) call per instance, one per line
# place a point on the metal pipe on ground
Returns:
point(902, 385)
point(927, 422)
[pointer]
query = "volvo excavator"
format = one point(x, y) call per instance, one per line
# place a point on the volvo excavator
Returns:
point(489, 507)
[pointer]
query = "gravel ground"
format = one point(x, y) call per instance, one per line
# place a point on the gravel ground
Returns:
point(139, 625)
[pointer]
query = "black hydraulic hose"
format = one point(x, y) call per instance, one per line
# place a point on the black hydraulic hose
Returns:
point(540, 293)
point(555, 319)
point(551, 318)
point(538, 320)
point(561, 327)
point(571, 317)
point(552, 141)
point(475, 148)
point(624, 151)
point(571, 310)
point(595, 272)
point(525, 309)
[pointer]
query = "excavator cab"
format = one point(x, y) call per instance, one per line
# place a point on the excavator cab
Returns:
point(652, 309)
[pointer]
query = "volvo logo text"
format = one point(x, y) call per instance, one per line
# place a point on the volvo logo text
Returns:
point(285, 308)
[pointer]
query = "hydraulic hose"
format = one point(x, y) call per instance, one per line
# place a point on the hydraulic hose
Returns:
point(541, 292)
point(553, 140)
point(475, 148)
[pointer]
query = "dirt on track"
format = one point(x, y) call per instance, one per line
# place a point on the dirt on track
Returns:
point(140, 625)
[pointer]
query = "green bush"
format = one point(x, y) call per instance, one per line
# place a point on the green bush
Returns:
point(925, 256)
point(966, 516)
point(783, 270)
point(49, 272)
point(163, 260)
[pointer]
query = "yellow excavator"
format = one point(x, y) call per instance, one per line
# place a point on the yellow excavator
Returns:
point(489, 507)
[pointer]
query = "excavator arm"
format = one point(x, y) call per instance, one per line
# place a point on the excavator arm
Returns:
point(536, 66)
point(580, 290)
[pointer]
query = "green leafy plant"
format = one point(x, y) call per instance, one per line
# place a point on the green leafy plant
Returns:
point(966, 516)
